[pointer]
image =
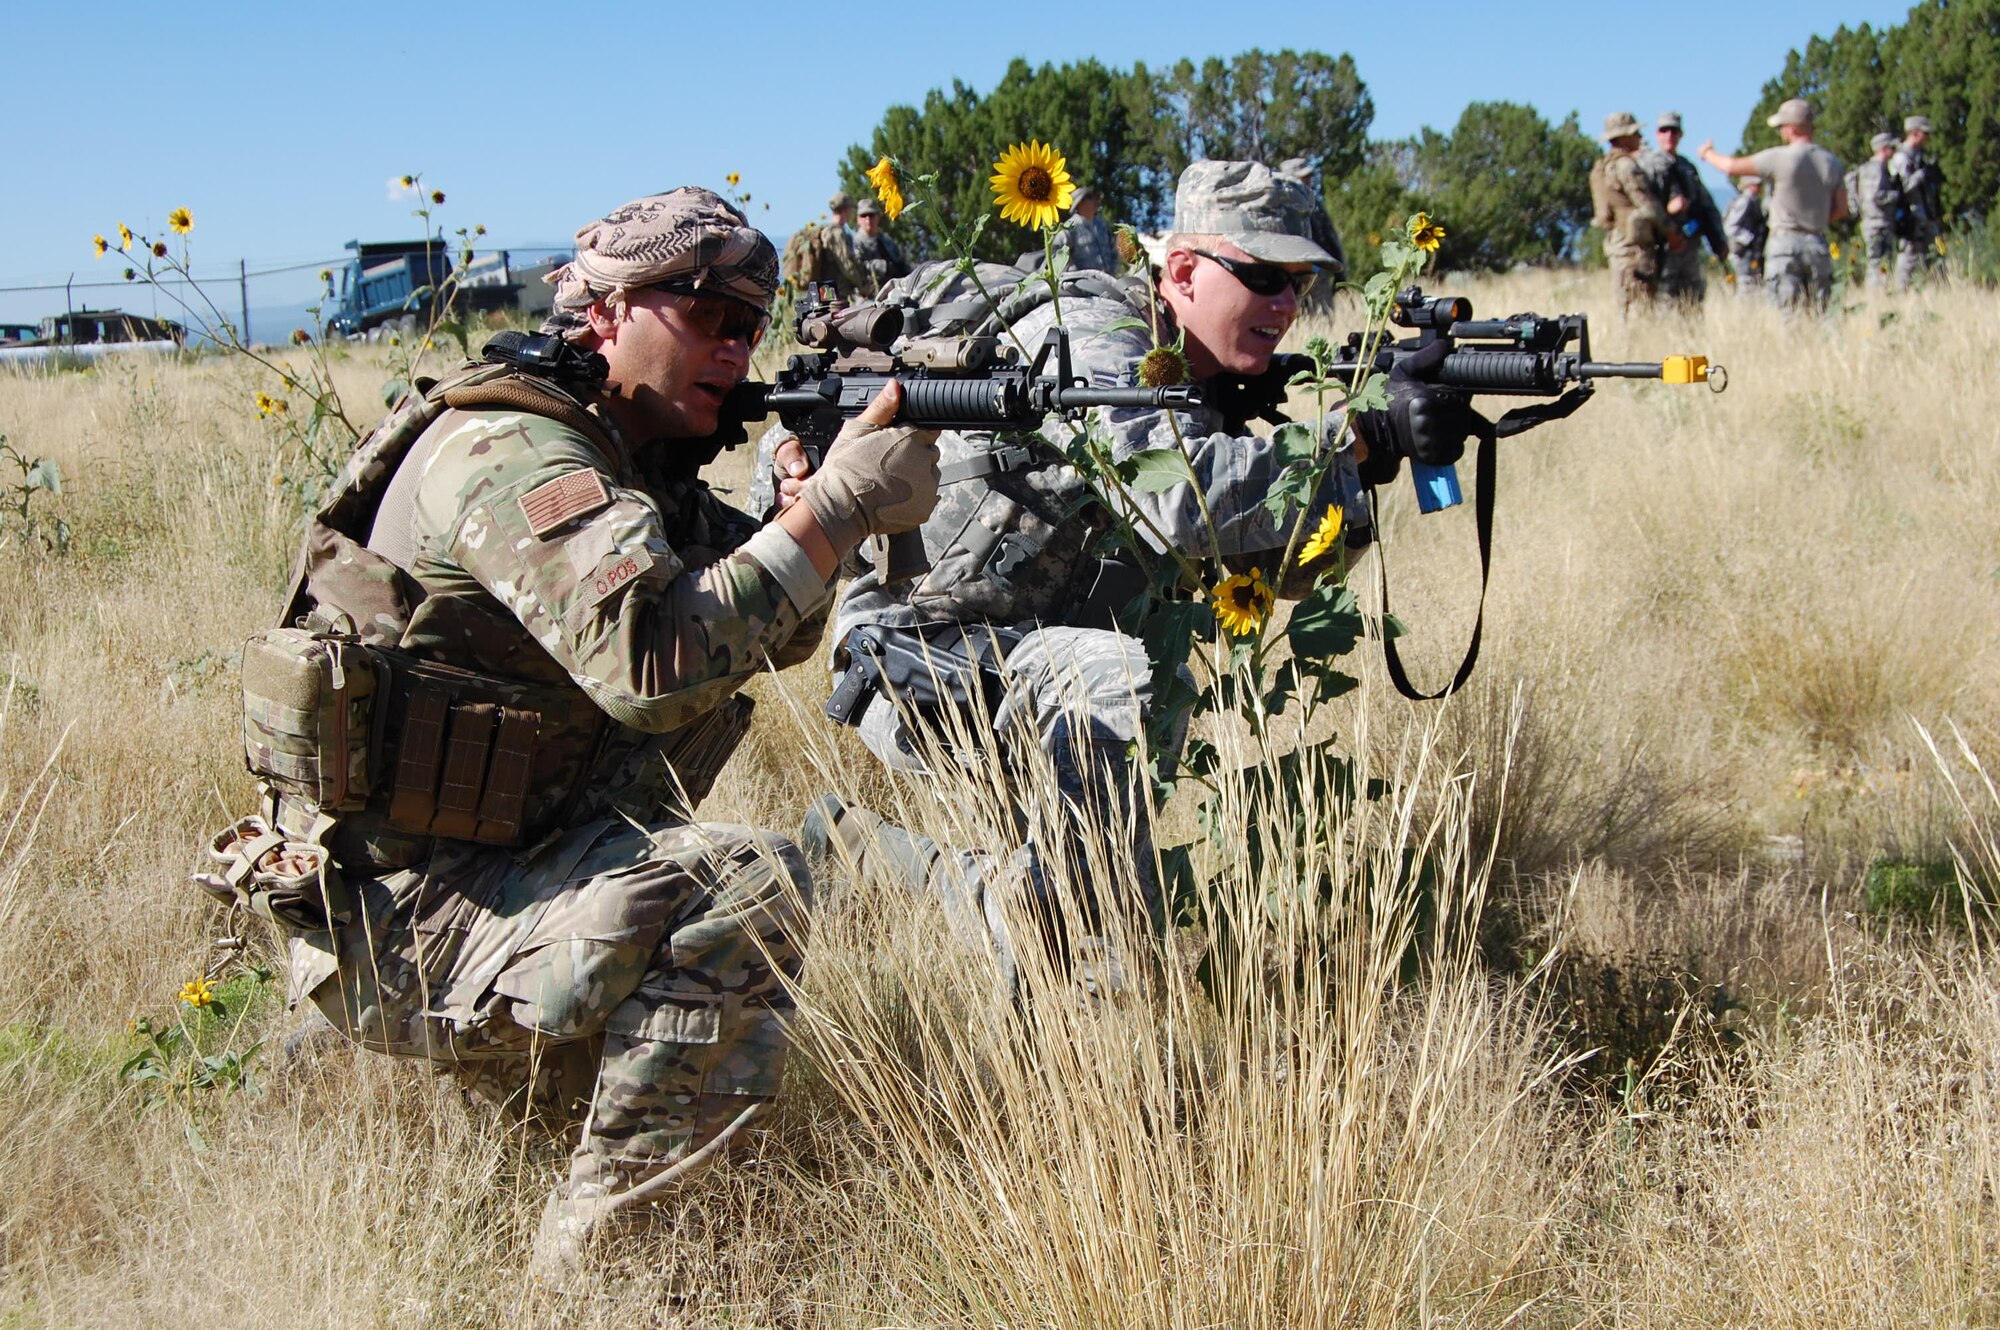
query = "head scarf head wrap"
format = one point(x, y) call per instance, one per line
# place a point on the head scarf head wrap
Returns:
point(689, 238)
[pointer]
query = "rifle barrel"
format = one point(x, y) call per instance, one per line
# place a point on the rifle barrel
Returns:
point(1605, 369)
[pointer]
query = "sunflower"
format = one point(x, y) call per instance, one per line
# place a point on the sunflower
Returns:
point(1326, 538)
point(198, 991)
point(124, 236)
point(1425, 234)
point(1242, 602)
point(300, 337)
point(131, 273)
point(888, 187)
point(1032, 186)
point(102, 245)
point(437, 197)
point(733, 179)
point(409, 182)
point(1833, 249)
point(268, 405)
point(1163, 367)
point(180, 221)
point(1130, 252)
point(159, 249)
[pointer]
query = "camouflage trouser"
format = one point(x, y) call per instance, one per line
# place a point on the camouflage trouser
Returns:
point(1916, 256)
point(1798, 271)
point(1635, 275)
point(1749, 269)
point(630, 978)
point(1076, 698)
point(1682, 278)
point(1879, 244)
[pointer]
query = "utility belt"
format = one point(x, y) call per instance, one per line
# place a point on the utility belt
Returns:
point(439, 751)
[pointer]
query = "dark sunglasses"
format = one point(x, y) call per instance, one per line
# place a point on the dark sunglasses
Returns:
point(722, 318)
point(1265, 279)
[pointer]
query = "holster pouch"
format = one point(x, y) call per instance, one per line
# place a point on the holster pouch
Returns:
point(445, 751)
point(292, 883)
point(310, 707)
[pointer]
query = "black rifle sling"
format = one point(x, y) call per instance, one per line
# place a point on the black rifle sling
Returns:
point(1485, 467)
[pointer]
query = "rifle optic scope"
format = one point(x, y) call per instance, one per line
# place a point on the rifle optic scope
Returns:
point(857, 327)
point(1416, 310)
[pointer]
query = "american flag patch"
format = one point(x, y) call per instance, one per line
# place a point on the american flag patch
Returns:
point(563, 499)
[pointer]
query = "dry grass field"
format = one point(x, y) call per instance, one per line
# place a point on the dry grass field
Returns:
point(1686, 1031)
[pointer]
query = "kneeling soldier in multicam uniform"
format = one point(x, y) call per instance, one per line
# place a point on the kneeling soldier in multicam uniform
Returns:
point(1018, 543)
point(555, 615)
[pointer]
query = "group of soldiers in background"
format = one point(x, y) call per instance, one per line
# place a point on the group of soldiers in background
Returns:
point(1656, 213)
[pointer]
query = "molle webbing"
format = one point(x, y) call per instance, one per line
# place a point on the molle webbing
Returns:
point(514, 394)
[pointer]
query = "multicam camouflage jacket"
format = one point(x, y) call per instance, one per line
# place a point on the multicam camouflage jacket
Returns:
point(1625, 204)
point(1018, 537)
point(549, 552)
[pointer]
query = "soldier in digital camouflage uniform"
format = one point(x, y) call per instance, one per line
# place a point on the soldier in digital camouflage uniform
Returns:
point(1806, 195)
point(1085, 235)
point(881, 258)
point(1016, 542)
point(1691, 214)
point(627, 968)
point(1921, 182)
point(1324, 233)
point(1628, 209)
point(1746, 227)
point(1873, 193)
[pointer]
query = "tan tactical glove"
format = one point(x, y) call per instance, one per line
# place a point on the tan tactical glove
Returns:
point(877, 479)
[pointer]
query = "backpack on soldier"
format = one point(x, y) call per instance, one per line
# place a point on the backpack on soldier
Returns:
point(1015, 531)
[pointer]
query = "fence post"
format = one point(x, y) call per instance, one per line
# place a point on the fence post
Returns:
point(243, 291)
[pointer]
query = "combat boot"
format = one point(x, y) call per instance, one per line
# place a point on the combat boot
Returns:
point(864, 843)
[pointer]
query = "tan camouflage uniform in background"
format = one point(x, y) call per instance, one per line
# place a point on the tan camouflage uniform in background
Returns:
point(622, 965)
point(834, 257)
point(1631, 214)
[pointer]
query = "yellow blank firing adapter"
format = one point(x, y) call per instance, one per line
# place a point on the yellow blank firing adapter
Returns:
point(1694, 369)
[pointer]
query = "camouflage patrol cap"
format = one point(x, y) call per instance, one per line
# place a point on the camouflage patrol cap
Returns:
point(1881, 141)
point(1618, 125)
point(871, 208)
point(1911, 122)
point(840, 202)
point(691, 237)
point(1791, 111)
point(1668, 120)
point(1264, 214)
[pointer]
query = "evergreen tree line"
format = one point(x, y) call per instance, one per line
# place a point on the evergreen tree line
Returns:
point(1511, 187)
point(1942, 61)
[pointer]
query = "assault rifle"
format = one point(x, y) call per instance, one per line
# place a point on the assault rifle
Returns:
point(948, 383)
point(1523, 355)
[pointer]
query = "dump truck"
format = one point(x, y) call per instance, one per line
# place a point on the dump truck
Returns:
point(395, 283)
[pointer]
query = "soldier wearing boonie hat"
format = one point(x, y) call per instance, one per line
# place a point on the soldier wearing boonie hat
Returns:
point(1692, 216)
point(1626, 204)
point(1806, 194)
point(534, 908)
point(1919, 246)
point(1875, 196)
point(1019, 542)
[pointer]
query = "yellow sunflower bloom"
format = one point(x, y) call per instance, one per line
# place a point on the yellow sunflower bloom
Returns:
point(734, 179)
point(1425, 234)
point(1834, 249)
point(1031, 185)
point(1326, 538)
point(102, 245)
point(198, 992)
point(180, 221)
point(888, 187)
point(1242, 602)
point(124, 236)
point(268, 405)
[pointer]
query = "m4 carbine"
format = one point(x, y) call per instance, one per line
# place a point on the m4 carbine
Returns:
point(1522, 355)
point(948, 383)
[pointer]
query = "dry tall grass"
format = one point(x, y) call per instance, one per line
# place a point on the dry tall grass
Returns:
point(1712, 623)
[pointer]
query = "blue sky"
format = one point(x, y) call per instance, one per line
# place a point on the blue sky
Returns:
point(281, 126)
